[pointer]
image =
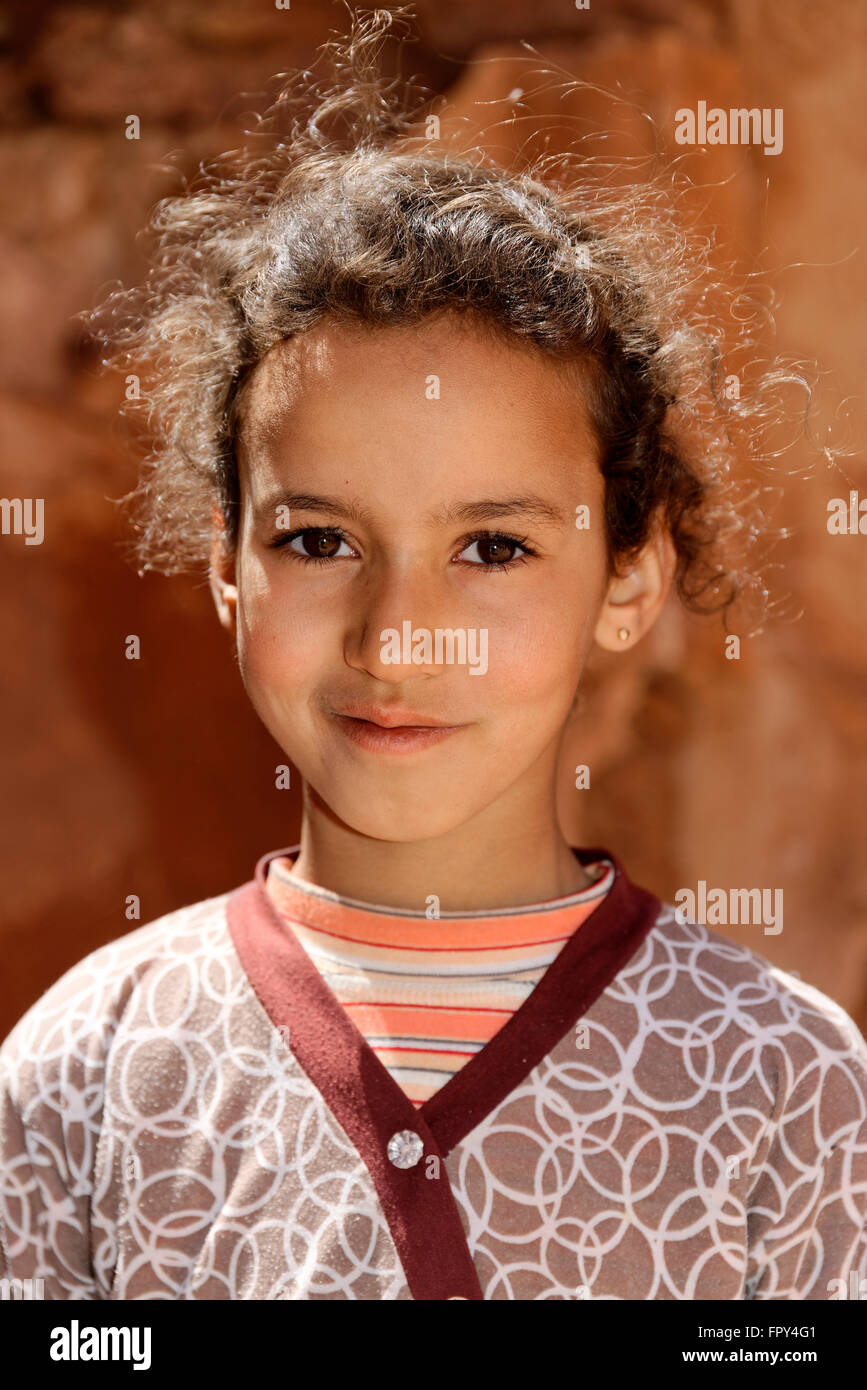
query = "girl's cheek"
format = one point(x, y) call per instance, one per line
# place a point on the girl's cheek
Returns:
point(529, 654)
point(284, 639)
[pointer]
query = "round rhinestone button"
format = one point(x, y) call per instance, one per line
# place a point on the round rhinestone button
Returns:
point(405, 1148)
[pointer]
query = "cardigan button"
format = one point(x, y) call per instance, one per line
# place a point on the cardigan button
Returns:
point(405, 1148)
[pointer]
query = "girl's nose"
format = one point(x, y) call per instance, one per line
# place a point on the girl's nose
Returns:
point(391, 608)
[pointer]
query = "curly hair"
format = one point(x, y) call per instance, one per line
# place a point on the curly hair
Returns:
point(351, 212)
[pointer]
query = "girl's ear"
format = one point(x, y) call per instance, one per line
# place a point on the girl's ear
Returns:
point(633, 603)
point(221, 575)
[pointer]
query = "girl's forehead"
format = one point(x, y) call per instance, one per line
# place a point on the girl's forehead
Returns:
point(443, 359)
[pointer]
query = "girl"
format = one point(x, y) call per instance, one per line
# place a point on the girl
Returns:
point(438, 433)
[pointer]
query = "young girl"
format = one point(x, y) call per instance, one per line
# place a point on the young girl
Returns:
point(422, 416)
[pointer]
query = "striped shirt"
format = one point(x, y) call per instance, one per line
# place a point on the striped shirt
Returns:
point(427, 994)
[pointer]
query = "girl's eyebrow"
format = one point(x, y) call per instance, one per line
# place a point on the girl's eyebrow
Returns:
point(528, 504)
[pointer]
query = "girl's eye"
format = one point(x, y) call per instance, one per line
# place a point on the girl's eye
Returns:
point(496, 551)
point(317, 545)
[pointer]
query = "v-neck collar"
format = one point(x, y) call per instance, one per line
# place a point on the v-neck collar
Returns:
point(370, 1105)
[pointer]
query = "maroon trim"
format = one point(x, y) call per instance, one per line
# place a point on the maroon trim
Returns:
point(421, 1211)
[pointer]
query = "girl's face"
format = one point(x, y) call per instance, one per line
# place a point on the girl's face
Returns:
point(395, 483)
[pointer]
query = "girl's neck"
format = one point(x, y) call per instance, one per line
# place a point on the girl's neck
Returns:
point(496, 860)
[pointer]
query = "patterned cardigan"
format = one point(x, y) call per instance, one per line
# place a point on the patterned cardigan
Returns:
point(189, 1113)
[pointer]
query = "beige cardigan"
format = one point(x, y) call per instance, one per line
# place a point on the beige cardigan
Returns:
point(190, 1114)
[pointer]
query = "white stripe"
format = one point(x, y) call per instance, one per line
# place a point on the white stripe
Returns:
point(410, 971)
point(428, 1045)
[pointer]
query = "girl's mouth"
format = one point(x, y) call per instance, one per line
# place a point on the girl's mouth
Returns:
point(403, 738)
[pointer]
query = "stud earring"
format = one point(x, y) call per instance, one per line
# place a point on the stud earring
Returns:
point(623, 633)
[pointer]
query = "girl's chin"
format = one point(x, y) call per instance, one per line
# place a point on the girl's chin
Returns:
point(400, 828)
point(422, 813)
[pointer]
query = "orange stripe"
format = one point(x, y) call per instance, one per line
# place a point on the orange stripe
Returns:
point(463, 933)
point(491, 948)
point(408, 1021)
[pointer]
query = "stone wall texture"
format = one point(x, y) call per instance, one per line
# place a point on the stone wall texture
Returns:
point(154, 777)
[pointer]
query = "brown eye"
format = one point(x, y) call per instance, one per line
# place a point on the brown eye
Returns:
point(495, 550)
point(492, 551)
point(322, 544)
point(316, 544)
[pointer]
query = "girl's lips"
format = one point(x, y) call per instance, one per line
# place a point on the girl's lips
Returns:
point(405, 738)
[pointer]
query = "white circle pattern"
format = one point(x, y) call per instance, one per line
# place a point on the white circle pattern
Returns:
point(706, 1140)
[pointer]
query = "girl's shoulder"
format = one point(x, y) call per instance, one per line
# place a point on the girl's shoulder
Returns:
point(79, 1014)
point(712, 975)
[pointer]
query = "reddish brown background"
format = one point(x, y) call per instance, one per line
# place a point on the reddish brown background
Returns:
point(154, 777)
